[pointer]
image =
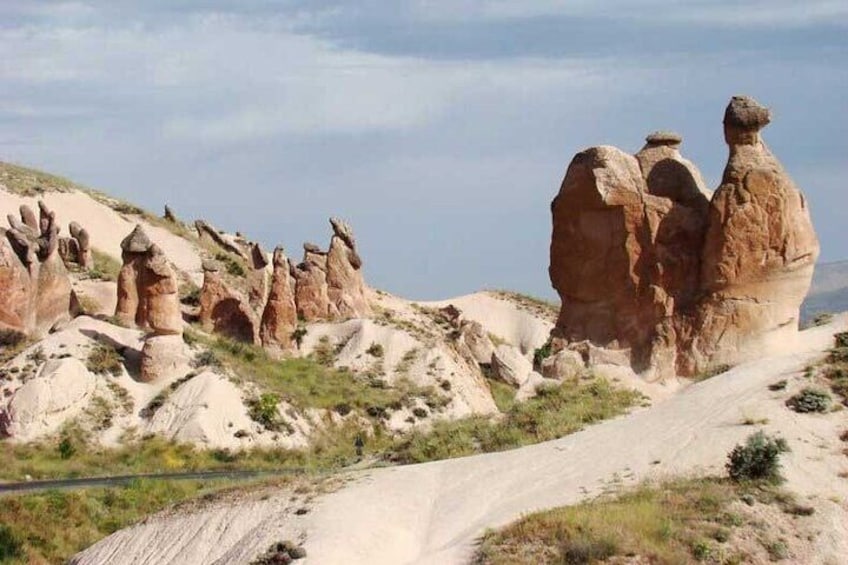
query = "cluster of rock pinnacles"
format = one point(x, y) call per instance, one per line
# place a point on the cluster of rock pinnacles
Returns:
point(35, 291)
point(647, 260)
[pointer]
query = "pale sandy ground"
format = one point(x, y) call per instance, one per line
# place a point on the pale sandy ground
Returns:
point(433, 513)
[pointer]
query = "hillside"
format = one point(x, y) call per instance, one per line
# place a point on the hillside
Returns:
point(433, 513)
point(829, 291)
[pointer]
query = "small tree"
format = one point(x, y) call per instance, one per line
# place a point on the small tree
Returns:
point(758, 459)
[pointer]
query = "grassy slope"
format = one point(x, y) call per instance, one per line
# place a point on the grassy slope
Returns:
point(680, 521)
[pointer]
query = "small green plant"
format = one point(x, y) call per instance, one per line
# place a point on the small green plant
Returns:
point(11, 338)
point(757, 460)
point(232, 265)
point(375, 350)
point(264, 411)
point(105, 360)
point(810, 400)
point(66, 448)
point(541, 354)
point(779, 385)
point(298, 335)
point(205, 358)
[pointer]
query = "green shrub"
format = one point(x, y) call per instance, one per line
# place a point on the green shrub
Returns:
point(10, 546)
point(841, 339)
point(264, 411)
point(105, 360)
point(66, 448)
point(541, 354)
point(810, 400)
point(190, 295)
point(298, 335)
point(375, 350)
point(757, 460)
point(232, 265)
point(11, 338)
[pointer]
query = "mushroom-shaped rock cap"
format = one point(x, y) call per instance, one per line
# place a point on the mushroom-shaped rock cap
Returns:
point(745, 113)
point(137, 241)
point(311, 248)
point(344, 231)
point(664, 138)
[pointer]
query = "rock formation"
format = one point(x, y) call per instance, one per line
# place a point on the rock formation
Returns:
point(257, 277)
point(224, 310)
point(345, 284)
point(226, 242)
point(148, 297)
point(313, 302)
point(76, 249)
point(35, 291)
point(279, 319)
point(647, 262)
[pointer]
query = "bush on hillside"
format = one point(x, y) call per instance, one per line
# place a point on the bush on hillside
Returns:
point(810, 400)
point(757, 460)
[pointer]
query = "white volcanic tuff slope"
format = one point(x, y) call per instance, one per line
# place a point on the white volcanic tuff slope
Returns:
point(107, 227)
point(432, 513)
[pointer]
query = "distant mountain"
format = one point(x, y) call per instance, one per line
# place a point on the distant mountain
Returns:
point(829, 292)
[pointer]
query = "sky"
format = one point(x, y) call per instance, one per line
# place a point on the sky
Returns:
point(441, 129)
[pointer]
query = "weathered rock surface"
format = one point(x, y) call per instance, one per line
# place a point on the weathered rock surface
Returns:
point(279, 318)
point(148, 297)
point(224, 310)
point(510, 365)
point(76, 249)
point(60, 391)
point(345, 284)
point(258, 279)
point(226, 242)
point(313, 302)
point(35, 291)
point(645, 262)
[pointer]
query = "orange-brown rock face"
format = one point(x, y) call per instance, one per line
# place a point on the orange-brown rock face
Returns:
point(279, 319)
point(644, 260)
point(345, 284)
point(759, 252)
point(35, 291)
point(225, 311)
point(310, 276)
point(148, 297)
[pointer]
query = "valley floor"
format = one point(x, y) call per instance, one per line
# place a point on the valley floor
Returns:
point(435, 512)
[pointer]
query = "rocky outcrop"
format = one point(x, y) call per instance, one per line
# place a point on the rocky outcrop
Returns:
point(35, 291)
point(759, 251)
point(148, 297)
point(76, 249)
point(313, 302)
point(645, 260)
point(207, 232)
point(224, 310)
point(345, 284)
point(257, 277)
point(279, 318)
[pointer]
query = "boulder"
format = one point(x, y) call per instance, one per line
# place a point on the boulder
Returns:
point(563, 365)
point(162, 357)
point(510, 365)
point(474, 338)
point(60, 391)
point(279, 318)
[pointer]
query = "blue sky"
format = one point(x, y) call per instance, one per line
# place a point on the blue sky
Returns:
point(441, 129)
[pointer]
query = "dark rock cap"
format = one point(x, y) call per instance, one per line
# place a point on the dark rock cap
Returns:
point(344, 231)
point(311, 248)
point(664, 138)
point(746, 113)
point(137, 241)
